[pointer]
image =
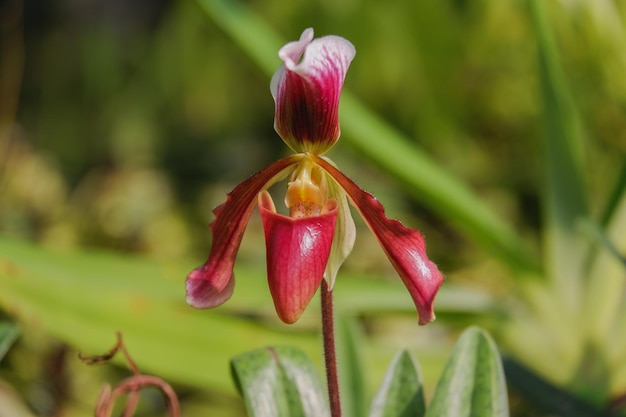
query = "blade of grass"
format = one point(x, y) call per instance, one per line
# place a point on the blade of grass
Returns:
point(426, 180)
point(563, 162)
point(606, 287)
point(565, 248)
point(619, 190)
point(597, 234)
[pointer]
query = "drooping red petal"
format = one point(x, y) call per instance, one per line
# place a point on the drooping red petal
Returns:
point(211, 284)
point(297, 253)
point(404, 247)
point(306, 90)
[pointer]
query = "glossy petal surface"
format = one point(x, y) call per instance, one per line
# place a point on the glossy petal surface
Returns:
point(306, 91)
point(211, 284)
point(404, 247)
point(297, 253)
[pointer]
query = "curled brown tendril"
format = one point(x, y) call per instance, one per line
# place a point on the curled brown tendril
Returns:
point(130, 386)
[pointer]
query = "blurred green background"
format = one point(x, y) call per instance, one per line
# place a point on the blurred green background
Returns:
point(498, 128)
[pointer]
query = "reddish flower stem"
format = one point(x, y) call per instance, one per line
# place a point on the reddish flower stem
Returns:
point(330, 356)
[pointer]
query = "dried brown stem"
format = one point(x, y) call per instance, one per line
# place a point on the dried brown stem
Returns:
point(130, 386)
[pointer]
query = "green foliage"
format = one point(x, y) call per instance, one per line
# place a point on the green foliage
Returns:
point(473, 381)
point(283, 382)
point(575, 309)
point(279, 382)
point(401, 393)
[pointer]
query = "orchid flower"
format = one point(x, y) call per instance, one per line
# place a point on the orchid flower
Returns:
point(311, 243)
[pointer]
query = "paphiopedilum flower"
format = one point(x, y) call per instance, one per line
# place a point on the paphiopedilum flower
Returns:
point(310, 243)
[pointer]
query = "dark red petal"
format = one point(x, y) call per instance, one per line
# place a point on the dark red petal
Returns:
point(306, 89)
point(212, 283)
point(404, 247)
point(297, 253)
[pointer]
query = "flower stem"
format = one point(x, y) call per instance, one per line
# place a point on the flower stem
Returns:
point(330, 356)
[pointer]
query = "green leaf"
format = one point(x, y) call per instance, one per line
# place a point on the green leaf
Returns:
point(8, 335)
point(584, 307)
point(472, 383)
point(401, 394)
point(563, 161)
point(279, 382)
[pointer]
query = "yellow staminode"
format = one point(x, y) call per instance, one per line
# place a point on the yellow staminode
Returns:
point(307, 191)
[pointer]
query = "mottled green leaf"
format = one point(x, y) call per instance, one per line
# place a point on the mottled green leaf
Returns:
point(472, 383)
point(401, 393)
point(279, 382)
